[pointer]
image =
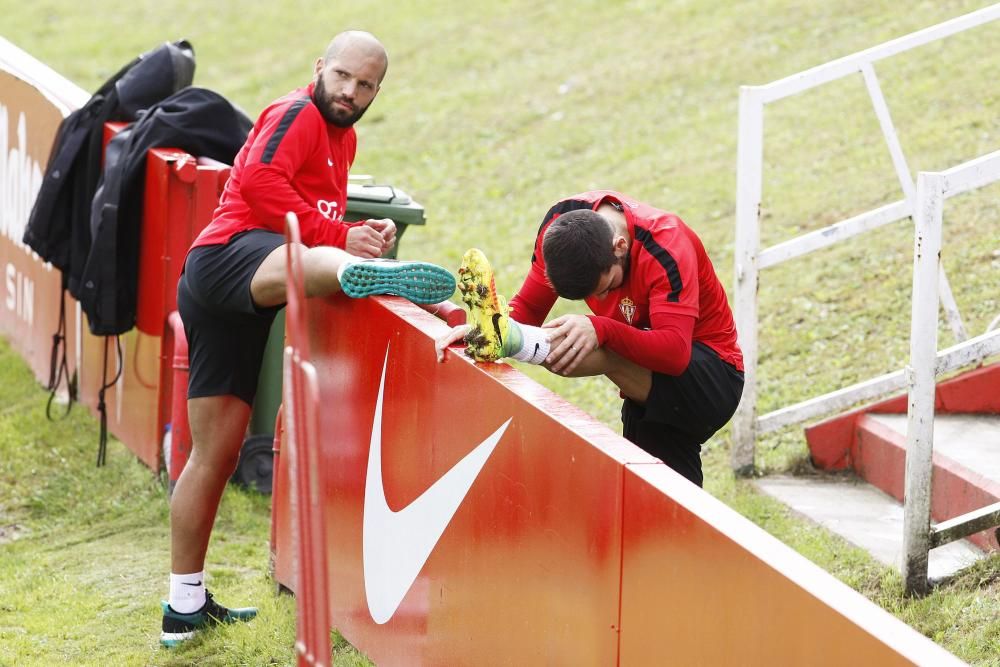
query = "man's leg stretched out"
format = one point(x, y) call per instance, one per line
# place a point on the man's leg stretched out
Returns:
point(327, 270)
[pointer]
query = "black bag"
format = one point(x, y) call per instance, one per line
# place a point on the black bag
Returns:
point(58, 228)
point(195, 120)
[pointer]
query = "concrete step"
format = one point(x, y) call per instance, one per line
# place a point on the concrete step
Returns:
point(863, 501)
point(864, 516)
point(969, 440)
point(966, 458)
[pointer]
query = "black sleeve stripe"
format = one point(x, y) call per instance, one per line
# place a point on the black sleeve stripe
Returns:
point(560, 208)
point(665, 260)
point(279, 132)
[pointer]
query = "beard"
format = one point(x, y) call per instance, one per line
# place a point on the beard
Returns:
point(626, 264)
point(324, 101)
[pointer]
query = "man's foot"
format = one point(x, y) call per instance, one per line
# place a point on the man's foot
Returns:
point(418, 282)
point(179, 627)
point(487, 311)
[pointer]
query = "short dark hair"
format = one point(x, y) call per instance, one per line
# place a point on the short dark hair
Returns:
point(578, 247)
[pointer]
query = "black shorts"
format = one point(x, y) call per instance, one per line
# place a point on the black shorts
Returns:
point(226, 332)
point(683, 411)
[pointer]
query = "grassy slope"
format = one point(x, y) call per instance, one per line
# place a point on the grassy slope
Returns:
point(492, 111)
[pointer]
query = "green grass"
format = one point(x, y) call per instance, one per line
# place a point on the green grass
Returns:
point(491, 112)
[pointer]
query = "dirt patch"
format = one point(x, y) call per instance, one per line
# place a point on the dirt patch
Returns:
point(10, 532)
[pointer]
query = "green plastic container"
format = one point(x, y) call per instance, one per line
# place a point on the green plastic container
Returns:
point(368, 201)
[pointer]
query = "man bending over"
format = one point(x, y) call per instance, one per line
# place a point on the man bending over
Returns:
point(661, 330)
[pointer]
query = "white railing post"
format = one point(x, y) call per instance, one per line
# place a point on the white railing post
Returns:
point(921, 381)
point(750, 164)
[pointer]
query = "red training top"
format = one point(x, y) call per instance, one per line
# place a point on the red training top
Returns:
point(293, 160)
point(670, 298)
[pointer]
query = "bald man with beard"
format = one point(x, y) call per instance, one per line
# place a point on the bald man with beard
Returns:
point(296, 159)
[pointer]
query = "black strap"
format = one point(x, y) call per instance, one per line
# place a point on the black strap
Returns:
point(102, 445)
point(58, 366)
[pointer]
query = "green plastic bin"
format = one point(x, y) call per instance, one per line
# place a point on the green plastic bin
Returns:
point(364, 201)
point(369, 201)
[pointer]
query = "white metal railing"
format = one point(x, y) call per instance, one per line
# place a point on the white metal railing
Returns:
point(918, 537)
point(750, 258)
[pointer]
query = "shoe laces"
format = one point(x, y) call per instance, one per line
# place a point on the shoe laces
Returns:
point(213, 608)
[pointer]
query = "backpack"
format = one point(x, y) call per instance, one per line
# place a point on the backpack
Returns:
point(196, 120)
point(58, 227)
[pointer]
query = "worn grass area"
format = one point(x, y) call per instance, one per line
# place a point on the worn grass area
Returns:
point(491, 112)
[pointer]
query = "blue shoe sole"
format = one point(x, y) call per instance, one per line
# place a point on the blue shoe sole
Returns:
point(418, 282)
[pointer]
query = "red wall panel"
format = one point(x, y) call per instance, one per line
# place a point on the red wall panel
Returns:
point(703, 586)
point(527, 570)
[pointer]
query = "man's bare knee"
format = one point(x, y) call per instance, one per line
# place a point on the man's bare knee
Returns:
point(633, 380)
point(319, 269)
point(267, 287)
point(218, 425)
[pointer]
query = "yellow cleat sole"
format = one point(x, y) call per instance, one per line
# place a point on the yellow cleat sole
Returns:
point(487, 311)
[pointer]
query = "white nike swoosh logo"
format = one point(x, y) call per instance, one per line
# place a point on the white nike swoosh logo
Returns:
point(396, 545)
point(329, 162)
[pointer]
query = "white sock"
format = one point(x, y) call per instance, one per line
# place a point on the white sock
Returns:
point(187, 592)
point(534, 344)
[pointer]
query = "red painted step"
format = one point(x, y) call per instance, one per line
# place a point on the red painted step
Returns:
point(874, 447)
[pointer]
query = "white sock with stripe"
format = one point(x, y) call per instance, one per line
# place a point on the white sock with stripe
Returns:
point(534, 343)
point(187, 592)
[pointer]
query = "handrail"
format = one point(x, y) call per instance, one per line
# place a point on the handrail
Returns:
point(750, 259)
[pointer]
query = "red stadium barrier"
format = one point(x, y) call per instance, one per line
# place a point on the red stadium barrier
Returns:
point(181, 193)
point(33, 101)
point(301, 398)
point(472, 517)
point(180, 433)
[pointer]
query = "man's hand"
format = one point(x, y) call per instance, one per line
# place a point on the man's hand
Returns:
point(572, 338)
point(387, 228)
point(456, 334)
point(374, 238)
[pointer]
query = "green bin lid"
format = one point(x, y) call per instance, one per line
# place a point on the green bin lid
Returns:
point(382, 201)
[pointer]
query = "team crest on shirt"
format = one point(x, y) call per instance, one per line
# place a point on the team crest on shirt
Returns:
point(627, 306)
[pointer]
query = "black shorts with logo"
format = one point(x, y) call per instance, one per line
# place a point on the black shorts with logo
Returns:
point(683, 411)
point(226, 332)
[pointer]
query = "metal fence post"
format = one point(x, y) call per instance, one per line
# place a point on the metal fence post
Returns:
point(750, 165)
point(921, 381)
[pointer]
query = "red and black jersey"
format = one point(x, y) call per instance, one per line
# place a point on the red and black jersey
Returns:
point(670, 297)
point(293, 160)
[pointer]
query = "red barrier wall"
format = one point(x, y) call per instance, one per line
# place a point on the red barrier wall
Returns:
point(181, 193)
point(703, 586)
point(548, 545)
point(33, 101)
point(571, 546)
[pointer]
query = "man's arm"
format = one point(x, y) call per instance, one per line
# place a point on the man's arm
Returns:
point(666, 348)
point(534, 300)
point(285, 143)
point(268, 191)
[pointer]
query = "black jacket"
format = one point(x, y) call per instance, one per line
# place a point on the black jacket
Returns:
point(59, 226)
point(195, 120)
